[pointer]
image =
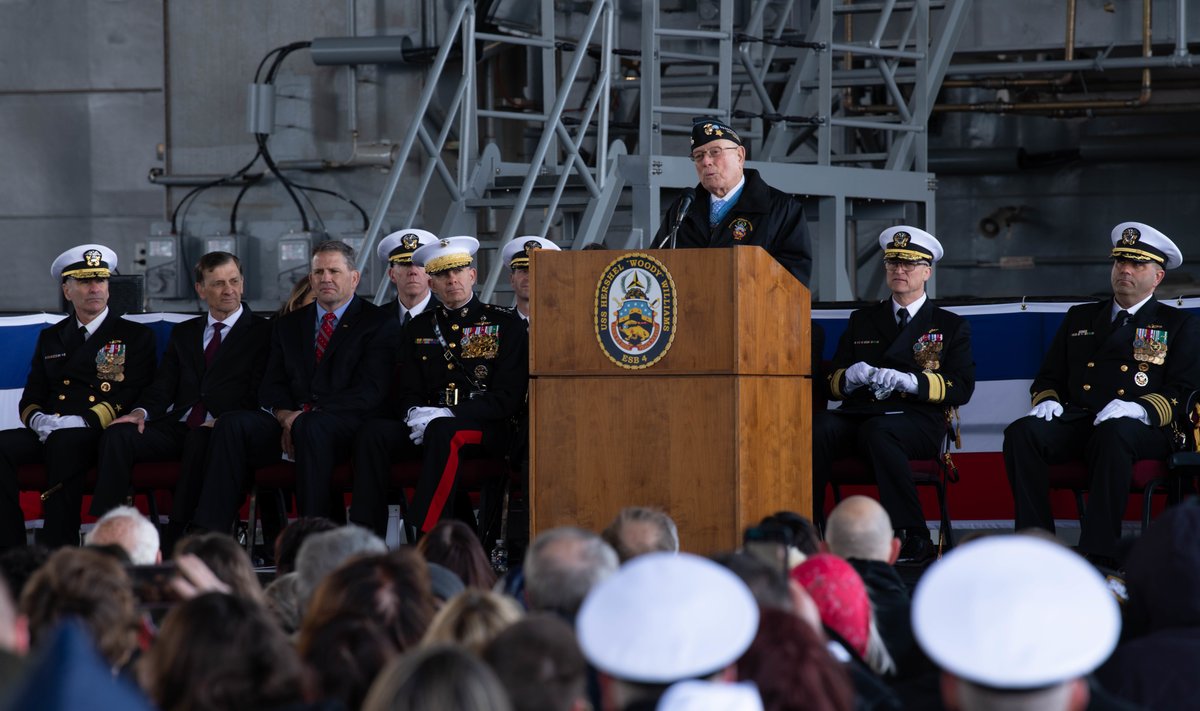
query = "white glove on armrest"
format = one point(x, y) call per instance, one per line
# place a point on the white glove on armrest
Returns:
point(1046, 409)
point(1122, 408)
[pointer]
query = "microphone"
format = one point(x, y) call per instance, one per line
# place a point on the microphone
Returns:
point(689, 195)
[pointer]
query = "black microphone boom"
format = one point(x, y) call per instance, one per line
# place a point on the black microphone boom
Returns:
point(689, 195)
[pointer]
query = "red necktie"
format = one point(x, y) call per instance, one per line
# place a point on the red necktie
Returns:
point(324, 335)
point(198, 414)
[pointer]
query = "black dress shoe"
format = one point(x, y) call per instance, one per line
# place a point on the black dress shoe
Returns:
point(916, 550)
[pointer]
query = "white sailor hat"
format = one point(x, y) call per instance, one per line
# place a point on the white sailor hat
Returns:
point(665, 617)
point(446, 254)
point(517, 252)
point(398, 247)
point(909, 244)
point(695, 695)
point(1015, 612)
point(1139, 242)
point(87, 261)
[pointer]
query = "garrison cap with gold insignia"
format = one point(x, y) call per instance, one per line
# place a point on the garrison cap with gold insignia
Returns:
point(398, 247)
point(446, 254)
point(707, 130)
point(517, 252)
point(87, 261)
point(909, 244)
point(1138, 242)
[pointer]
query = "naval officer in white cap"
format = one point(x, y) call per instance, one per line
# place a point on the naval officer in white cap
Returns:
point(516, 254)
point(87, 370)
point(1117, 375)
point(1015, 623)
point(661, 619)
point(904, 356)
point(412, 283)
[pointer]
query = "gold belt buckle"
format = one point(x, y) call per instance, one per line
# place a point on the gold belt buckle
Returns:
point(450, 395)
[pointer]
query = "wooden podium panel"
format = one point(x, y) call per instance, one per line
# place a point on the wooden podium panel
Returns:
point(716, 433)
point(592, 460)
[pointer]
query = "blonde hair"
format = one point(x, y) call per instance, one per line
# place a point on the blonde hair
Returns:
point(473, 618)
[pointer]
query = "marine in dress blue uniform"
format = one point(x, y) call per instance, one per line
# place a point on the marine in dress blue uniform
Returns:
point(1117, 376)
point(86, 371)
point(898, 366)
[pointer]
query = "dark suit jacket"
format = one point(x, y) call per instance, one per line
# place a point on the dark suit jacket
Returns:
point(355, 373)
point(1088, 365)
point(66, 379)
point(873, 337)
point(183, 379)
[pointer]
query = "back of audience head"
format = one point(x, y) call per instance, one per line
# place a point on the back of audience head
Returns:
point(641, 529)
point(289, 540)
point(1015, 622)
point(220, 651)
point(845, 607)
point(19, 564)
point(127, 527)
point(453, 545)
point(805, 536)
point(766, 582)
point(664, 618)
point(392, 589)
point(321, 553)
point(444, 583)
point(282, 602)
point(89, 585)
point(562, 565)
point(859, 527)
point(538, 661)
point(227, 560)
point(1162, 573)
point(343, 656)
point(472, 618)
point(437, 677)
point(792, 668)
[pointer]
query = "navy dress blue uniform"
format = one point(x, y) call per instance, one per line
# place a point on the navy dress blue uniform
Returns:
point(335, 396)
point(97, 379)
point(480, 374)
point(1092, 361)
point(936, 346)
point(185, 380)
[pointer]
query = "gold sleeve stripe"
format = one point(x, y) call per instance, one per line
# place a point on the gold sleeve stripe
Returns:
point(28, 412)
point(835, 380)
point(1162, 407)
point(105, 412)
point(937, 387)
point(1045, 395)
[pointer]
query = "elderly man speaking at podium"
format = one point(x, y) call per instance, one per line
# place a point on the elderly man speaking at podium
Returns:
point(733, 205)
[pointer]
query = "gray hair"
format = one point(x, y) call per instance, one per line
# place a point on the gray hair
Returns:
point(322, 553)
point(641, 529)
point(126, 527)
point(563, 565)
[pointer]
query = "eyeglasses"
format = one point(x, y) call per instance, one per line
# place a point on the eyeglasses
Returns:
point(711, 153)
point(894, 266)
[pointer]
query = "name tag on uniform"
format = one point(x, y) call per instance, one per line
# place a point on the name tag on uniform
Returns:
point(52, 356)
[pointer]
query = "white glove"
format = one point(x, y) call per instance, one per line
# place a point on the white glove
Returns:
point(419, 418)
point(42, 425)
point(69, 421)
point(1046, 409)
point(887, 378)
point(1122, 408)
point(857, 375)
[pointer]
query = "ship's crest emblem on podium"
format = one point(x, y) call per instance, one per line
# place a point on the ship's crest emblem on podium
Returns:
point(635, 311)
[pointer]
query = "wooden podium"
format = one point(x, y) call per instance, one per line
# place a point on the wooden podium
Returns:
point(716, 432)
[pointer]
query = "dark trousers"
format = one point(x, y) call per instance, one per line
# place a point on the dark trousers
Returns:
point(122, 446)
point(67, 455)
point(378, 444)
point(886, 443)
point(447, 441)
point(244, 441)
point(1109, 449)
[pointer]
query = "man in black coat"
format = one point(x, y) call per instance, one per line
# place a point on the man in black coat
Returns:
point(735, 206)
point(212, 365)
point(1117, 376)
point(412, 283)
point(86, 370)
point(329, 367)
point(897, 368)
point(464, 371)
